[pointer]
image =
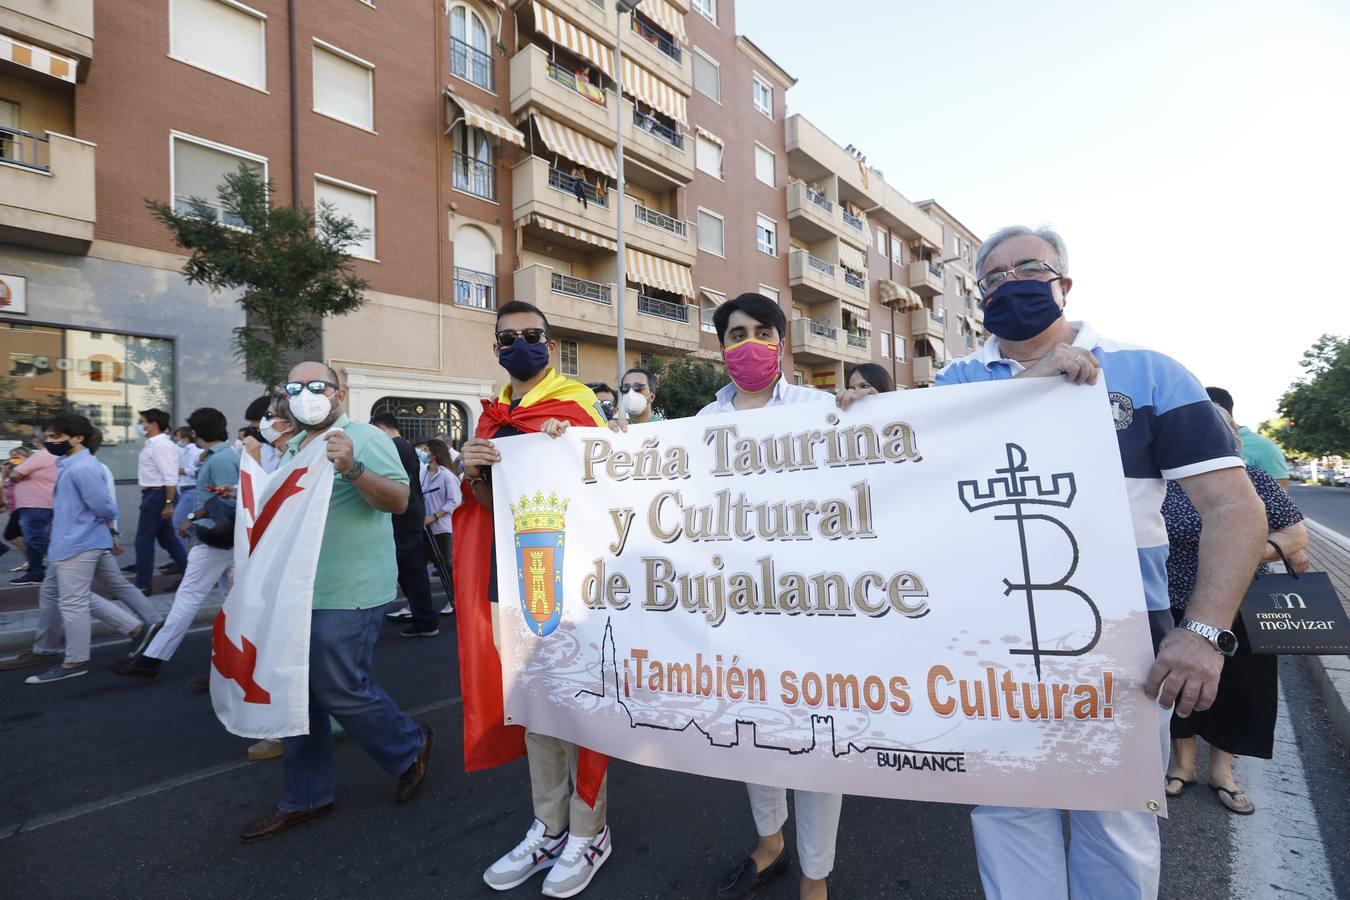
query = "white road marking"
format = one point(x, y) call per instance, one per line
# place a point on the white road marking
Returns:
point(1278, 851)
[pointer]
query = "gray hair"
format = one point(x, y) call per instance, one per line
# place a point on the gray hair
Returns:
point(1232, 425)
point(1045, 233)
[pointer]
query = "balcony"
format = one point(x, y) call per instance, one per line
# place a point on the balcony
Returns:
point(857, 348)
point(536, 187)
point(814, 156)
point(662, 309)
point(924, 278)
point(655, 232)
point(812, 216)
point(814, 342)
point(657, 53)
point(852, 222)
point(576, 306)
point(853, 286)
point(656, 146)
point(557, 92)
point(46, 191)
point(813, 279)
point(471, 64)
point(64, 26)
point(475, 176)
point(924, 371)
point(922, 323)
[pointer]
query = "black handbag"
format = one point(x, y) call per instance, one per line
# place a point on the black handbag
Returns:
point(220, 533)
point(1288, 613)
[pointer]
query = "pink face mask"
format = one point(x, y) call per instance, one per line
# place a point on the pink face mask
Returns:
point(752, 364)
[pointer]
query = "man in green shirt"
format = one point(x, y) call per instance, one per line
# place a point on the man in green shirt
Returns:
point(1258, 451)
point(353, 582)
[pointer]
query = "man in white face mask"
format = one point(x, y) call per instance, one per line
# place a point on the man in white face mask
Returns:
point(637, 396)
point(353, 582)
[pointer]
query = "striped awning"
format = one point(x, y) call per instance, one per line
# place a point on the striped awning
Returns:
point(659, 273)
point(703, 132)
point(582, 43)
point(486, 119)
point(653, 91)
point(897, 295)
point(666, 16)
point(39, 60)
point(712, 297)
point(577, 234)
point(576, 146)
point(939, 349)
point(852, 257)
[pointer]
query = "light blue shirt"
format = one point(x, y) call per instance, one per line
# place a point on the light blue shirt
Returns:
point(82, 508)
point(784, 394)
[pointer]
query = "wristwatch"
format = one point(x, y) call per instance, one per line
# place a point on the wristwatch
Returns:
point(356, 471)
point(1219, 638)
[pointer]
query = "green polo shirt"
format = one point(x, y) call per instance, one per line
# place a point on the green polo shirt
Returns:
point(357, 566)
point(1260, 452)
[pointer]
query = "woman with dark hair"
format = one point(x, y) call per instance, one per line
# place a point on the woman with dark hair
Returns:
point(870, 378)
point(441, 494)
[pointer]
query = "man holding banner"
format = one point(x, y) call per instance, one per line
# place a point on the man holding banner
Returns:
point(352, 582)
point(1167, 430)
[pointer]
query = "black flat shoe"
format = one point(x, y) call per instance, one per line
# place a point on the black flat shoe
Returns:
point(745, 879)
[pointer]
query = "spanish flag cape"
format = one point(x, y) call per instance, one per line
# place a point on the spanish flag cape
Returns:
point(488, 741)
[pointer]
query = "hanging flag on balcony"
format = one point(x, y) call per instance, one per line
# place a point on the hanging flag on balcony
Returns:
point(653, 271)
point(576, 234)
point(654, 92)
point(582, 43)
point(478, 117)
point(576, 146)
point(665, 16)
point(37, 59)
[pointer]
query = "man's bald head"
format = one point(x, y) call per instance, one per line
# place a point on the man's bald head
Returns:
point(313, 371)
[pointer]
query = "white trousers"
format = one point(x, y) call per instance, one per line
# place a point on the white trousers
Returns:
point(50, 634)
point(205, 567)
point(817, 823)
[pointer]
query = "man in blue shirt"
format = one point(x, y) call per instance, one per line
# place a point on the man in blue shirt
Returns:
point(80, 554)
point(1167, 430)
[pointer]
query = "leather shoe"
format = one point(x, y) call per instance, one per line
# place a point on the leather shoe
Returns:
point(411, 780)
point(279, 821)
point(745, 879)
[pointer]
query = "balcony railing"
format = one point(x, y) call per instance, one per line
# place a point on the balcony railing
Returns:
point(476, 290)
point(664, 309)
point(661, 40)
point(474, 176)
point(211, 211)
point(852, 221)
point(856, 280)
point(24, 149)
point(934, 270)
point(577, 85)
point(654, 126)
point(470, 63)
point(580, 287)
point(858, 340)
point(819, 199)
point(661, 220)
point(568, 184)
point(822, 330)
point(820, 265)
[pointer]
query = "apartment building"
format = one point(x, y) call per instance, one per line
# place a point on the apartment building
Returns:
point(476, 142)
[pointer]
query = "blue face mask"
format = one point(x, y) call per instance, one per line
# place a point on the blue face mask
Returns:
point(423, 455)
point(523, 359)
point(1020, 310)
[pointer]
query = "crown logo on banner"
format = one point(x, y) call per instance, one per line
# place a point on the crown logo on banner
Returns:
point(540, 513)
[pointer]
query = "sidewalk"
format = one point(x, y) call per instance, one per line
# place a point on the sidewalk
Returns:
point(1330, 553)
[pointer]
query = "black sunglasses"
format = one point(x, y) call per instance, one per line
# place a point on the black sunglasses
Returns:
point(293, 388)
point(625, 388)
point(531, 335)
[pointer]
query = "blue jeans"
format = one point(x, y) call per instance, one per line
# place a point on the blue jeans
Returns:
point(341, 643)
point(36, 525)
point(152, 527)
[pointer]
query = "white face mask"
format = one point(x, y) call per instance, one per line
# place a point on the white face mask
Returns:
point(269, 430)
point(310, 408)
point(238, 446)
point(634, 404)
point(140, 429)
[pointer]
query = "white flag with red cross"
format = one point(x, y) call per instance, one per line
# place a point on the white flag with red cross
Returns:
point(260, 641)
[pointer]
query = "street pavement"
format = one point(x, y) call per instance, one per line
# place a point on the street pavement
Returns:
point(1328, 506)
point(113, 788)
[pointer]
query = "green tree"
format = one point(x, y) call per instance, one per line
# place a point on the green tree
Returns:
point(686, 384)
point(290, 265)
point(1317, 407)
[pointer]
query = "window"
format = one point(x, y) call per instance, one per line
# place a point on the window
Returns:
point(222, 37)
point(707, 75)
point(470, 54)
point(899, 348)
point(771, 293)
point(766, 235)
point(711, 236)
point(474, 172)
point(881, 242)
point(764, 165)
point(708, 303)
point(569, 357)
point(422, 417)
point(344, 86)
point(897, 254)
point(198, 170)
point(885, 345)
point(763, 96)
point(475, 269)
point(708, 8)
point(354, 202)
point(708, 156)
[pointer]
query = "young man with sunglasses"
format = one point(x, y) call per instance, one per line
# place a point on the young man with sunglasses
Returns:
point(637, 395)
point(568, 836)
point(353, 582)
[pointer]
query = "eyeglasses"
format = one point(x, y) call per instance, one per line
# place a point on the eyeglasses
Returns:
point(293, 388)
point(531, 335)
point(1030, 270)
point(640, 388)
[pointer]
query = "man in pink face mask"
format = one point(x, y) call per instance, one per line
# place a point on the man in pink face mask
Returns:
point(751, 329)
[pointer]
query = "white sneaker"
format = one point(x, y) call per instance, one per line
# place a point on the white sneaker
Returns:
point(448, 609)
point(534, 854)
point(402, 615)
point(581, 858)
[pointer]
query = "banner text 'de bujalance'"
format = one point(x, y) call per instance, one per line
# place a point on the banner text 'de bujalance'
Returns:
point(934, 595)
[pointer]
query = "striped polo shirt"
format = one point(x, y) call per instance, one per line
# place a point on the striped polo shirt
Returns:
point(1166, 427)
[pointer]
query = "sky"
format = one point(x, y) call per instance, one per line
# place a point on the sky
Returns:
point(1193, 154)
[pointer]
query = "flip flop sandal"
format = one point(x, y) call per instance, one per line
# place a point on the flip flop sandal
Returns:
point(1232, 799)
point(1167, 786)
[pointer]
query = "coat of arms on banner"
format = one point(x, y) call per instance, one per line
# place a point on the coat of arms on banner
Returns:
point(540, 522)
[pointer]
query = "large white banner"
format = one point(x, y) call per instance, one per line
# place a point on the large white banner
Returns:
point(260, 641)
point(932, 596)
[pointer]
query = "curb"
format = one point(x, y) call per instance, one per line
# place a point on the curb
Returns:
point(1332, 673)
point(22, 640)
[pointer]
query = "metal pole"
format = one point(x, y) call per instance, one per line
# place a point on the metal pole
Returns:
point(621, 274)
